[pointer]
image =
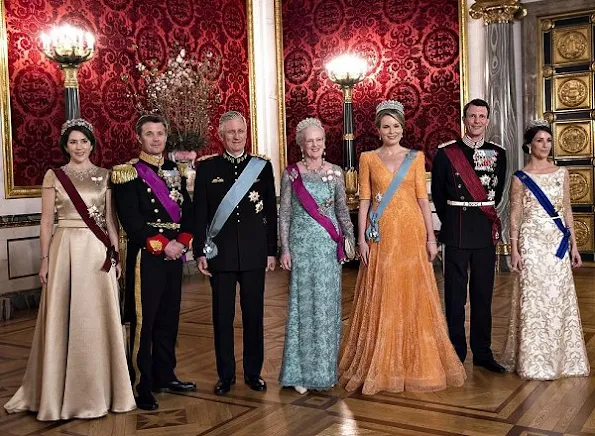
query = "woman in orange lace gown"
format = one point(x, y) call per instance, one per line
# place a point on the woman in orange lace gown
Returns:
point(396, 339)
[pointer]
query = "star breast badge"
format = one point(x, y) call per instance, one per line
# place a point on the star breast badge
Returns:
point(259, 206)
point(254, 196)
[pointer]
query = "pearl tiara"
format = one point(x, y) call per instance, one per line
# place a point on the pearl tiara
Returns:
point(308, 122)
point(79, 122)
point(537, 123)
point(391, 105)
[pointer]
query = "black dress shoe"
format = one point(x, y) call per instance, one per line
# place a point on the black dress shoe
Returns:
point(176, 386)
point(490, 365)
point(146, 402)
point(256, 383)
point(223, 386)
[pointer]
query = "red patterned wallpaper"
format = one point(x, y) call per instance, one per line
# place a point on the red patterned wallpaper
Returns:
point(413, 52)
point(36, 92)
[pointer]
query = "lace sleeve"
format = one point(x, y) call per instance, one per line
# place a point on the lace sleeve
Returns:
point(516, 207)
point(566, 206)
point(285, 212)
point(341, 209)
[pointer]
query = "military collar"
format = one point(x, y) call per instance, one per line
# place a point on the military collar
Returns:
point(156, 161)
point(473, 144)
point(233, 159)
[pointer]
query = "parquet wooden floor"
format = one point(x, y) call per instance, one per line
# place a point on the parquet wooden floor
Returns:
point(488, 404)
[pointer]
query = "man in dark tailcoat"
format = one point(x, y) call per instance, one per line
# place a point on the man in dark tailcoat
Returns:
point(236, 242)
point(155, 210)
point(468, 178)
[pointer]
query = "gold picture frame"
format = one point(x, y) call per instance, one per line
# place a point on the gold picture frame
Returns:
point(463, 70)
point(11, 190)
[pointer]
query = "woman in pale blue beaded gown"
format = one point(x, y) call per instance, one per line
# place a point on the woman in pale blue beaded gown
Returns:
point(545, 337)
point(309, 252)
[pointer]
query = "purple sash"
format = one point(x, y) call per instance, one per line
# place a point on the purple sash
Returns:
point(157, 184)
point(310, 206)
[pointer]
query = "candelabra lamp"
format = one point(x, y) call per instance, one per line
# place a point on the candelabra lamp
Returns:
point(347, 70)
point(69, 46)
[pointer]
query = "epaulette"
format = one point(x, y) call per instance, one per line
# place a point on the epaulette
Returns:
point(123, 173)
point(206, 157)
point(262, 156)
point(447, 143)
point(498, 145)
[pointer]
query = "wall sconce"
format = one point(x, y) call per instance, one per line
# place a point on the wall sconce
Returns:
point(69, 46)
point(346, 70)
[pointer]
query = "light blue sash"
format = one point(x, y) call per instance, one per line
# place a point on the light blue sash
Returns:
point(373, 231)
point(230, 201)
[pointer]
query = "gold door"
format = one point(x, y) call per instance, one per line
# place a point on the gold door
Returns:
point(567, 76)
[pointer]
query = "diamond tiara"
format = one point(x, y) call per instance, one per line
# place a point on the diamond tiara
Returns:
point(392, 105)
point(308, 122)
point(79, 122)
point(535, 123)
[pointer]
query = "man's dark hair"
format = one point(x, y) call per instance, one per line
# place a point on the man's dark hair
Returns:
point(150, 118)
point(476, 102)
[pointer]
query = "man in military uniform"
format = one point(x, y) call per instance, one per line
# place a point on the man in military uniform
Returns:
point(236, 233)
point(468, 177)
point(156, 212)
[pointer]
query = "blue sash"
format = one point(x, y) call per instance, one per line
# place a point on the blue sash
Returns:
point(230, 201)
point(373, 232)
point(549, 208)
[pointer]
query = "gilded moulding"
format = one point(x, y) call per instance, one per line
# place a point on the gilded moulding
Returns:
point(10, 190)
point(497, 11)
point(252, 77)
point(463, 72)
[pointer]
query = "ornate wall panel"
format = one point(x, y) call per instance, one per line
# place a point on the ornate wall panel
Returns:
point(566, 66)
point(127, 32)
point(573, 140)
point(412, 49)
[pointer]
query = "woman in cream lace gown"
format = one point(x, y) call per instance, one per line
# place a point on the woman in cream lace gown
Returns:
point(77, 366)
point(545, 338)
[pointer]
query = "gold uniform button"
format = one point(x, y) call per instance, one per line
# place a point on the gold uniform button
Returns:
point(459, 185)
point(157, 210)
point(462, 198)
point(464, 208)
point(158, 220)
point(149, 190)
point(160, 230)
point(153, 200)
point(238, 220)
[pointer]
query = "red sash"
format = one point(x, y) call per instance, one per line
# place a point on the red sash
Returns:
point(473, 184)
point(81, 208)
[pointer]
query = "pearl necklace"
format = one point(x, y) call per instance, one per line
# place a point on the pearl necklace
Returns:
point(313, 170)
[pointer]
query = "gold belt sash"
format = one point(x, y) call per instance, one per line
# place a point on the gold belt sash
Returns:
point(169, 226)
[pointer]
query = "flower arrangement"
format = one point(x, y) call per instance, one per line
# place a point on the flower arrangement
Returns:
point(182, 93)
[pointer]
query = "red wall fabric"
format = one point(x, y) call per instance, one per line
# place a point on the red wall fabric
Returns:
point(413, 53)
point(127, 32)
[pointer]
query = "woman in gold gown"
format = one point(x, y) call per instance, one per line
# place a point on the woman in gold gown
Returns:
point(77, 366)
point(396, 339)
